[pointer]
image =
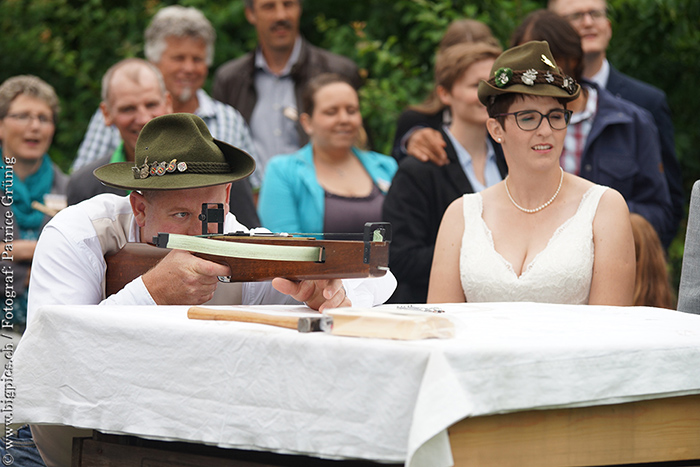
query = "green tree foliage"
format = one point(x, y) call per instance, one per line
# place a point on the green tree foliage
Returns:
point(394, 44)
point(71, 43)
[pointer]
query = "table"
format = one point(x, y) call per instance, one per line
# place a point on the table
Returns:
point(151, 372)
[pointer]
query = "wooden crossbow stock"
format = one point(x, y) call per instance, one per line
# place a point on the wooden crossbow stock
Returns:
point(254, 258)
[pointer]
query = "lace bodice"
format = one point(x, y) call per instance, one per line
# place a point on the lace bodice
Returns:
point(561, 273)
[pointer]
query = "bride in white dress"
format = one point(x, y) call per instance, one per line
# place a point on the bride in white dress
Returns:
point(541, 234)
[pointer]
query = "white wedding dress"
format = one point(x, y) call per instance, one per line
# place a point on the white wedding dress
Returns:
point(561, 273)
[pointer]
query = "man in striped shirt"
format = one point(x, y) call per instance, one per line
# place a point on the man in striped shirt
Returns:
point(180, 43)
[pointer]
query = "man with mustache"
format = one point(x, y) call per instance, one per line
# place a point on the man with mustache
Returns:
point(265, 85)
point(180, 43)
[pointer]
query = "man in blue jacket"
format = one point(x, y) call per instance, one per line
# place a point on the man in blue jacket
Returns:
point(589, 18)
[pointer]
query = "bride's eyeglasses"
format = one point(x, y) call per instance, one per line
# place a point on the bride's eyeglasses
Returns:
point(530, 120)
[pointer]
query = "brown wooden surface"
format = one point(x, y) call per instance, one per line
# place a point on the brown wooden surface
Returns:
point(103, 450)
point(656, 430)
point(343, 259)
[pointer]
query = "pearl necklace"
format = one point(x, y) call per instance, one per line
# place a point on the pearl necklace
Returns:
point(532, 211)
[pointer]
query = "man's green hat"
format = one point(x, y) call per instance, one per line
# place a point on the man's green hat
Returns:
point(175, 152)
point(528, 69)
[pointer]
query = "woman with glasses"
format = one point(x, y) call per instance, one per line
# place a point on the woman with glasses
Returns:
point(28, 109)
point(541, 234)
point(610, 141)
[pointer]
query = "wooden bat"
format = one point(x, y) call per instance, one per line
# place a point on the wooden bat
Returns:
point(388, 323)
point(302, 324)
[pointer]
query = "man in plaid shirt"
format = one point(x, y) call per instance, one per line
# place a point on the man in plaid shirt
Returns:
point(180, 43)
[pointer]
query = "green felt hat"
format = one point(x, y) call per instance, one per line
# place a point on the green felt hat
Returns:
point(528, 69)
point(176, 152)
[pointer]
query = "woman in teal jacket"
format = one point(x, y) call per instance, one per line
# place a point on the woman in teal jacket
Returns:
point(329, 185)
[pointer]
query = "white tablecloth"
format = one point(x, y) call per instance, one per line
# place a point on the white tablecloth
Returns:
point(152, 372)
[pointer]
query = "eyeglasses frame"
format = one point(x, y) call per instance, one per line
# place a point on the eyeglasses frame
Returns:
point(567, 118)
point(29, 118)
point(595, 15)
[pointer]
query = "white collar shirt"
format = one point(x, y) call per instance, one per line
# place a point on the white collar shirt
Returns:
point(491, 173)
point(601, 78)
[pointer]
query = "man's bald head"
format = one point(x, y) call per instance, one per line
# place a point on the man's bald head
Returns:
point(133, 69)
point(133, 93)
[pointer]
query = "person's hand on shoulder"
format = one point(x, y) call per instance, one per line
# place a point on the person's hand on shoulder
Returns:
point(318, 294)
point(427, 144)
point(181, 278)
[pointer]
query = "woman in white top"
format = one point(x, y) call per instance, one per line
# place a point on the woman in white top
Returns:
point(540, 235)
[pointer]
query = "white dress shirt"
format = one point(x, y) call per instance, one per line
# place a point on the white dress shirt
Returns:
point(69, 266)
point(601, 78)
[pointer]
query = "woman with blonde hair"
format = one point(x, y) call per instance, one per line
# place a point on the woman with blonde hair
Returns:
point(461, 31)
point(421, 191)
point(417, 129)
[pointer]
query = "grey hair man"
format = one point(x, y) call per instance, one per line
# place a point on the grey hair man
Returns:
point(179, 41)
